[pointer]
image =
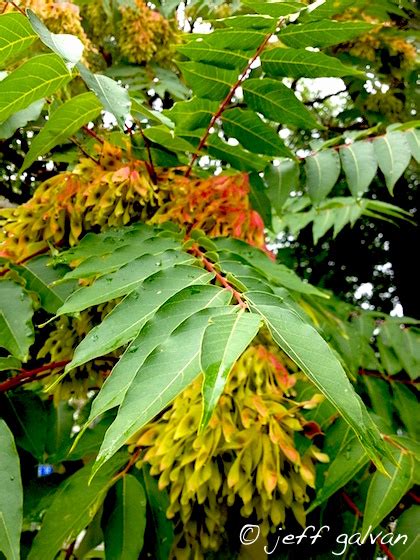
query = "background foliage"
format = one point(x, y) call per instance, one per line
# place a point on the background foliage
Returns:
point(224, 189)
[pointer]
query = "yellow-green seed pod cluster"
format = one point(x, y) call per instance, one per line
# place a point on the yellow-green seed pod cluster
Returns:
point(96, 195)
point(144, 34)
point(59, 346)
point(246, 457)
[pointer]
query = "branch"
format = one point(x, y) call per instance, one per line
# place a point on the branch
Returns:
point(389, 378)
point(149, 165)
point(30, 375)
point(226, 102)
point(211, 268)
point(131, 462)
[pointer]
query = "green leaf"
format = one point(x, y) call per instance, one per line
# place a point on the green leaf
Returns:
point(408, 524)
point(359, 165)
point(65, 121)
point(123, 281)
point(406, 403)
point(259, 199)
point(141, 112)
point(322, 33)
point(274, 8)
point(192, 114)
point(73, 507)
point(16, 329)
point(166, 138)
point(27, 417)
point(413, 139)
point(16, 35)
point(161, 527)
point(157, 331)
point(274, 272)
point(124, 528)
point(225, 339)
point(300, 63)
point(278, 103)
point(165, 373)
point(39, 278)
point(69, 47)
point(202, 51)
point(36, 78)
point(130, 315)
point(385, 492)
point(124, 254)
point(250, 21)
point(232, 39)
point(281, 180)
point(322, 172)
point(303, 344)
point(21, 119)
point(11, 495)
point(350, 458)
point(9, 363)
point(236, 156)
point(96, 245)
point(393, 154)
point(114, 97)
point(208, 81)
point(253, 133)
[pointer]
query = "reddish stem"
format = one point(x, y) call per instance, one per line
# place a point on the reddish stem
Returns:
point(28, 375)
point(18, 8)
point(149, 165)
point(211, 268)
point(359, 514)
point(226, 102)
point(351, 504)
point(389, 378)
point(131, 462)
point(414, 497)
point(36, 254)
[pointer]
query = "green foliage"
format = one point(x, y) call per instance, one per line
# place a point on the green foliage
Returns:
point(11, 496)
point(16, 329)
point(160, 305)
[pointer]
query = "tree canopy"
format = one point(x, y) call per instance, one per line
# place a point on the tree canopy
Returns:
point(208, 312)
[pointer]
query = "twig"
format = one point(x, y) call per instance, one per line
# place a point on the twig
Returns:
point(389, 378)
point(84, 152)
point(131, 462)
point(92, 133)
point(70, 550)
point(149, 164)
point(211, 268)
point(29, 375)
point(226, 102)
point(18, 8)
